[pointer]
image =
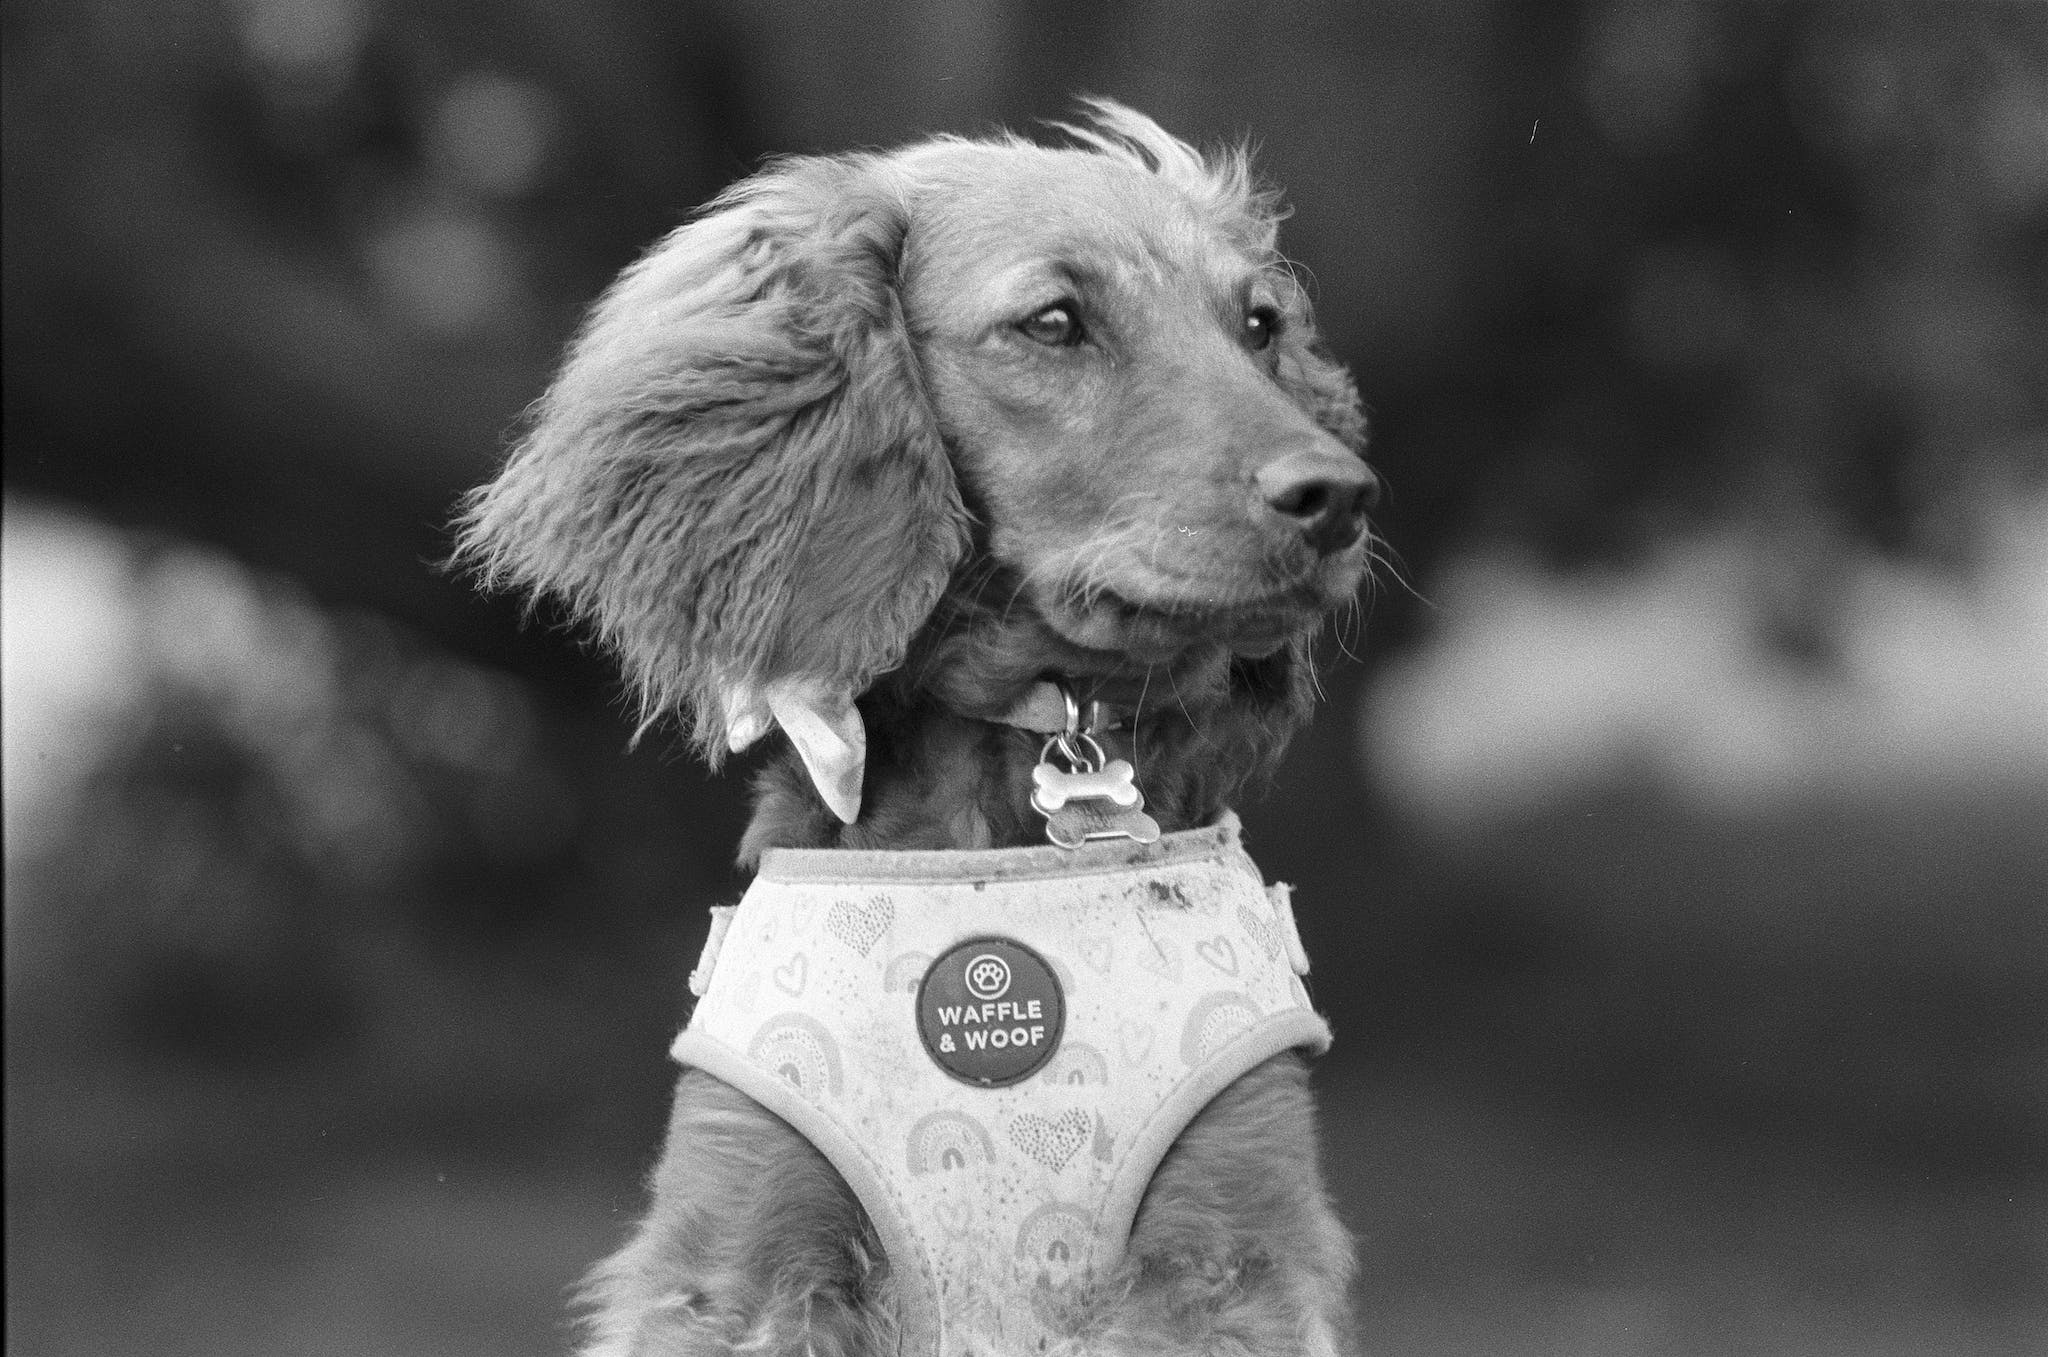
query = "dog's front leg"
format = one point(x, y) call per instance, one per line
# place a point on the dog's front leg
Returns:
point(753, 1243)
point(1236, 1248)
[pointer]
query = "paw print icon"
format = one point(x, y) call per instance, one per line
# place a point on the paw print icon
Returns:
point(988, 976)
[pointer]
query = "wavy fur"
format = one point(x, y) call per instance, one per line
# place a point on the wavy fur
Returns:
point(735, 480)
point(805, 447)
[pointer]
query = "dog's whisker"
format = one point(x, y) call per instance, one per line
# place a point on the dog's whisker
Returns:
point(1387, 561)
point(1315, 676)
point(1350, 626)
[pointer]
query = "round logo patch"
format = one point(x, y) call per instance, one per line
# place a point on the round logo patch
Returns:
point(990, 1012)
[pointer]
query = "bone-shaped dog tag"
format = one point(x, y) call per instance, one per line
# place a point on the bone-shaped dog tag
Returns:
point(1051, 788)
point(1089, 804)
point(1080, 822)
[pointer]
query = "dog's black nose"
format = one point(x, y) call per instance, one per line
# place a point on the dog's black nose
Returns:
point(1324, 494)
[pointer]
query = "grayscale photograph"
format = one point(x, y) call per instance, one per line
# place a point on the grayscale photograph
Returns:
point(1019, 678)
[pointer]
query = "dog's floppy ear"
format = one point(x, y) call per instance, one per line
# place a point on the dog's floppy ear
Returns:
point(736, 480)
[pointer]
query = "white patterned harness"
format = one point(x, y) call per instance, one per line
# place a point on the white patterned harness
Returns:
point(1117, 988)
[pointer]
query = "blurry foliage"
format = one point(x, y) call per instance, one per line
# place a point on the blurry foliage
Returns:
point(247, 833)
point(1676, 674)
point(1767, 263)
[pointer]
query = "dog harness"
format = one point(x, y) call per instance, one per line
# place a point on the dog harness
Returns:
point(995, 1048)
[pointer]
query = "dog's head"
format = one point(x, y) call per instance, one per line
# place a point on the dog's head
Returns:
point(782, 434)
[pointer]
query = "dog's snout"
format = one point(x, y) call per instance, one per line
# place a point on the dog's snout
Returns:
point(1325, 495)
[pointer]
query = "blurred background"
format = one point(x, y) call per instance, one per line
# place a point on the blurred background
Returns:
point(1673, 845)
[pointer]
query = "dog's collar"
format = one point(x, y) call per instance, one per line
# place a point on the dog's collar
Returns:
point(1042, 709)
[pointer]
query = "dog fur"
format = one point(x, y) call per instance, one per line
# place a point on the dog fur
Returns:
point(866, 449)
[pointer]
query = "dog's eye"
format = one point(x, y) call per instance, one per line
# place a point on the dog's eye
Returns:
point(1057, 326)
point(1261, 324)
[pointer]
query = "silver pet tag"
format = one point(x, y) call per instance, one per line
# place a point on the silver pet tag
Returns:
point(1093, 797)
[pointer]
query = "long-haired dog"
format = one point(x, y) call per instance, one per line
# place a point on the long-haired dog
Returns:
point(866, 450)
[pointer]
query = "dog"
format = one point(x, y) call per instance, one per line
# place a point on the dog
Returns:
point(866, 453)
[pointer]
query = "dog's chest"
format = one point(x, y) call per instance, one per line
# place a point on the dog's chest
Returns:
point(995, 1048)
